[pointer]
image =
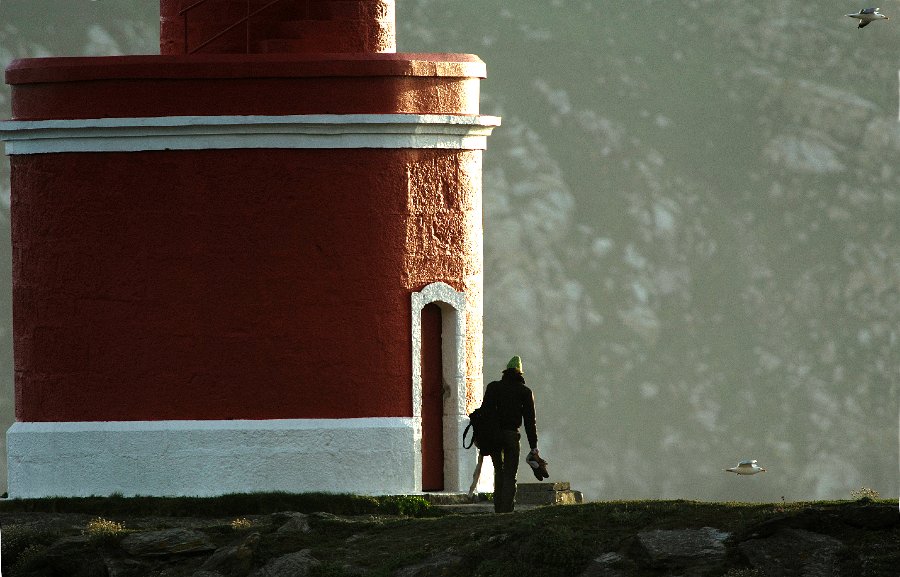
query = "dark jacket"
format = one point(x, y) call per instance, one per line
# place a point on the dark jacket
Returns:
point(513, 403)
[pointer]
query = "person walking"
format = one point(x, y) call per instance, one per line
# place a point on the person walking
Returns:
point(512, 404)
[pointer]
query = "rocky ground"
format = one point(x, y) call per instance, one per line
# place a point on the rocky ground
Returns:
point(609, 539)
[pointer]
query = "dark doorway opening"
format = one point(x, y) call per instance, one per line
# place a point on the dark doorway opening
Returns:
point(432, 400)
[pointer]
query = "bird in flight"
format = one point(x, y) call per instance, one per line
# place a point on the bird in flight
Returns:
point(867, 16)
point(746, 468)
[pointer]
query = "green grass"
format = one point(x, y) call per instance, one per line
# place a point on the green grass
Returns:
point(224, 506)
point(22, 545)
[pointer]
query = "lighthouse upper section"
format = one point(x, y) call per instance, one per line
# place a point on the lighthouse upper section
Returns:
point(276, 26)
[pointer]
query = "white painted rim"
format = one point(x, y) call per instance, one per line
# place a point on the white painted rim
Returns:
point(210, 425)
point(441, 131)
point(208, 458)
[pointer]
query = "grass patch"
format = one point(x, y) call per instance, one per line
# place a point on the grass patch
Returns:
point(864, 493)
point(104, 531)
point(232, 505)
point(241, 524)
point(23, 545)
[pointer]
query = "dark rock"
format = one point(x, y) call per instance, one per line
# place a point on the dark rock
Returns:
point(331, 517)
point(814, 519)
point(124, 567)
point(606, 565)
point(291, 522)
point(291, 565)
point(871, 516)
point(282, 517)
point(793, 552)
point(830, 519)
point(444, 563)
point(695, 551)
point(167, 542)
point(233, 560)
point(71, 556)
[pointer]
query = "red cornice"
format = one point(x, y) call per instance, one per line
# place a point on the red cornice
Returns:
point(208, 66)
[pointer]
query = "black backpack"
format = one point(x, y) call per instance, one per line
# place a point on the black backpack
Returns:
point(485, 431)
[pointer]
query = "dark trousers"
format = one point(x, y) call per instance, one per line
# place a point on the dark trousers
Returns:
point(506, 464)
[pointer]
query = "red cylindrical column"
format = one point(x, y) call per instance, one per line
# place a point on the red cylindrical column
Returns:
point(276, 26)
point(238, 283)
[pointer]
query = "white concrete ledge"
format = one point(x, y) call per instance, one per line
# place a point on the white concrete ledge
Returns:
point(207, 458)
point(444, 131)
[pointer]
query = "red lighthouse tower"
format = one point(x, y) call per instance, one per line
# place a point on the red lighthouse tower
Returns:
point(251, 263)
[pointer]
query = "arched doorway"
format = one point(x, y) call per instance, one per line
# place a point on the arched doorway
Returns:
point(432, 400)
point(439, 388)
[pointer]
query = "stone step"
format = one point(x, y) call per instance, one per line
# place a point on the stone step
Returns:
point(527, 494)
point(550, 498)
point(545, 486)
point(547, 493)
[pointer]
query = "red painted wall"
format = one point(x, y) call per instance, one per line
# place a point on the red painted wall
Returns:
point(323, 26)
point(227, 284)
point(135, 86)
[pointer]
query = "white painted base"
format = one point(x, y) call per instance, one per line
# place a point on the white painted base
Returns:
point(460, 463)
point(374, 456)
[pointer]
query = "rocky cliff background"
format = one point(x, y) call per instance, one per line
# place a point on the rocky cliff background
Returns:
point(691, 222)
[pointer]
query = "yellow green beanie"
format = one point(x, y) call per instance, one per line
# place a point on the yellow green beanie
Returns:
point(515, 363)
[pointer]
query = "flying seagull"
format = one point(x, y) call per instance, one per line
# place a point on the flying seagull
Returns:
point(867, 15)
point(746, 468)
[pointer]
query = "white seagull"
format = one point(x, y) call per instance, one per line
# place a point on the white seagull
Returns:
point(867, 15)
point(746, 468)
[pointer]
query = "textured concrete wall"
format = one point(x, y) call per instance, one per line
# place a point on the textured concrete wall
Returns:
point(230, 284)
point(207, 458)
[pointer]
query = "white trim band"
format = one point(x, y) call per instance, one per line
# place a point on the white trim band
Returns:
point(444, 131)
point(373, 456)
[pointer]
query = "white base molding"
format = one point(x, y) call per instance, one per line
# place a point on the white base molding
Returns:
point(446, 131)
point(372, 456)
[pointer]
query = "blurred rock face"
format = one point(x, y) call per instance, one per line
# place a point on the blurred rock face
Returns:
point(691, 237)
point(691, 230)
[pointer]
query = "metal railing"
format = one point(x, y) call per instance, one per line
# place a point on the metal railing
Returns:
point(184, 12)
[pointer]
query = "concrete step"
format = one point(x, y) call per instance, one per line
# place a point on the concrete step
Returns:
point(447, 499)
point(550, 498)
point(544, 486)
point(558, 493)
point(528, 496)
